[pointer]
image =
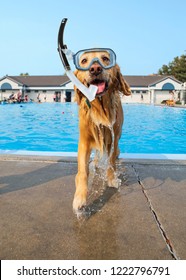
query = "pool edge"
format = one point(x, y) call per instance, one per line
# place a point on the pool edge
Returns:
point(123, 156)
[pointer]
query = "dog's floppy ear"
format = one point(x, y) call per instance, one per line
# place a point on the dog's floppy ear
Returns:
point(78, 94)
point(122, 85)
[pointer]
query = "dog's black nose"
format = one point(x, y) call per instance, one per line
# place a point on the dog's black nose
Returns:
point(95, 69)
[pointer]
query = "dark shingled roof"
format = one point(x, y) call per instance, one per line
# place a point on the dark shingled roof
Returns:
point(47, 81)
point(145, 81)
point(56, 81)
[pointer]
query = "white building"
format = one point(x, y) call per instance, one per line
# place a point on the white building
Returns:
point(154, 89)
point(145, 89)
point(38, 88)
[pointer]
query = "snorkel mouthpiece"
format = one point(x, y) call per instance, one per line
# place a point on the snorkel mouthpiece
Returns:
point(88, 92)
point(66, 54)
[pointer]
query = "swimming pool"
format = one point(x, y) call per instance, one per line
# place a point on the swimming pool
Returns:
point(53, 127)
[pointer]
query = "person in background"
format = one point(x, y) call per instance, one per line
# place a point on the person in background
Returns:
point(38, 98)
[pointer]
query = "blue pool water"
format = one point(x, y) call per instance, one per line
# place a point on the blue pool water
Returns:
point(54, 128)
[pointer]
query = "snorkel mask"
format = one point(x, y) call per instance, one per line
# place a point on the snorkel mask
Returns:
point(106, 58)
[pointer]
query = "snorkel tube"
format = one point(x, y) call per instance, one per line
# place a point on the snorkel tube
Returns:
point(66, 54)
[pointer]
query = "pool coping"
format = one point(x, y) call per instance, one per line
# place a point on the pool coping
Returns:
point(72, 156)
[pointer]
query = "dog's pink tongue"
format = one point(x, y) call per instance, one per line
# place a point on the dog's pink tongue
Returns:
point(101, 87)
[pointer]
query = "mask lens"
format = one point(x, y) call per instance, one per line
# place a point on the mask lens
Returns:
point(85, 58)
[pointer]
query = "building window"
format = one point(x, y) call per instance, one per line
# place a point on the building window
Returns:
point(57, 96)
point(168, 86)
point(144, 91)
point(6, 86)
point(137, 91)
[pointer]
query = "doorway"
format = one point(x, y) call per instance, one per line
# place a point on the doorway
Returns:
point(68, 96)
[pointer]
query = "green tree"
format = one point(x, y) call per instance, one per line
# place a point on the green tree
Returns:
point(176, 68)
point(24, 74)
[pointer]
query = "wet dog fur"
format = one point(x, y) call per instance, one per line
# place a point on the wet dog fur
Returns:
point(97, 121)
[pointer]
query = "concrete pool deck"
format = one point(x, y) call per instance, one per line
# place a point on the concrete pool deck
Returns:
point(145, 219)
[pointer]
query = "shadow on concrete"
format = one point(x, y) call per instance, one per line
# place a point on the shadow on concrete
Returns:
point(36, 177)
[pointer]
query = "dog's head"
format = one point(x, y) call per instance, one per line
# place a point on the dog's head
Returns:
point(107, 80)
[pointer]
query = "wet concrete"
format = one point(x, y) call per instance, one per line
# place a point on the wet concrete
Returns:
point(145, 219)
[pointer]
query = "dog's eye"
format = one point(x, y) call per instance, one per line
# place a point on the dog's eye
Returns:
point(105, 58)
point(84, 60)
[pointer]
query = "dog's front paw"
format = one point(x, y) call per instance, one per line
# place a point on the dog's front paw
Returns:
point(79, 202)
point(115, 182)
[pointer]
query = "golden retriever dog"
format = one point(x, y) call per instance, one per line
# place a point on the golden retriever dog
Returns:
point(100, 122)
point(170, 102)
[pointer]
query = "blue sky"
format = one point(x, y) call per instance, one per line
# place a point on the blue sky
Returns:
point(144, 34)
